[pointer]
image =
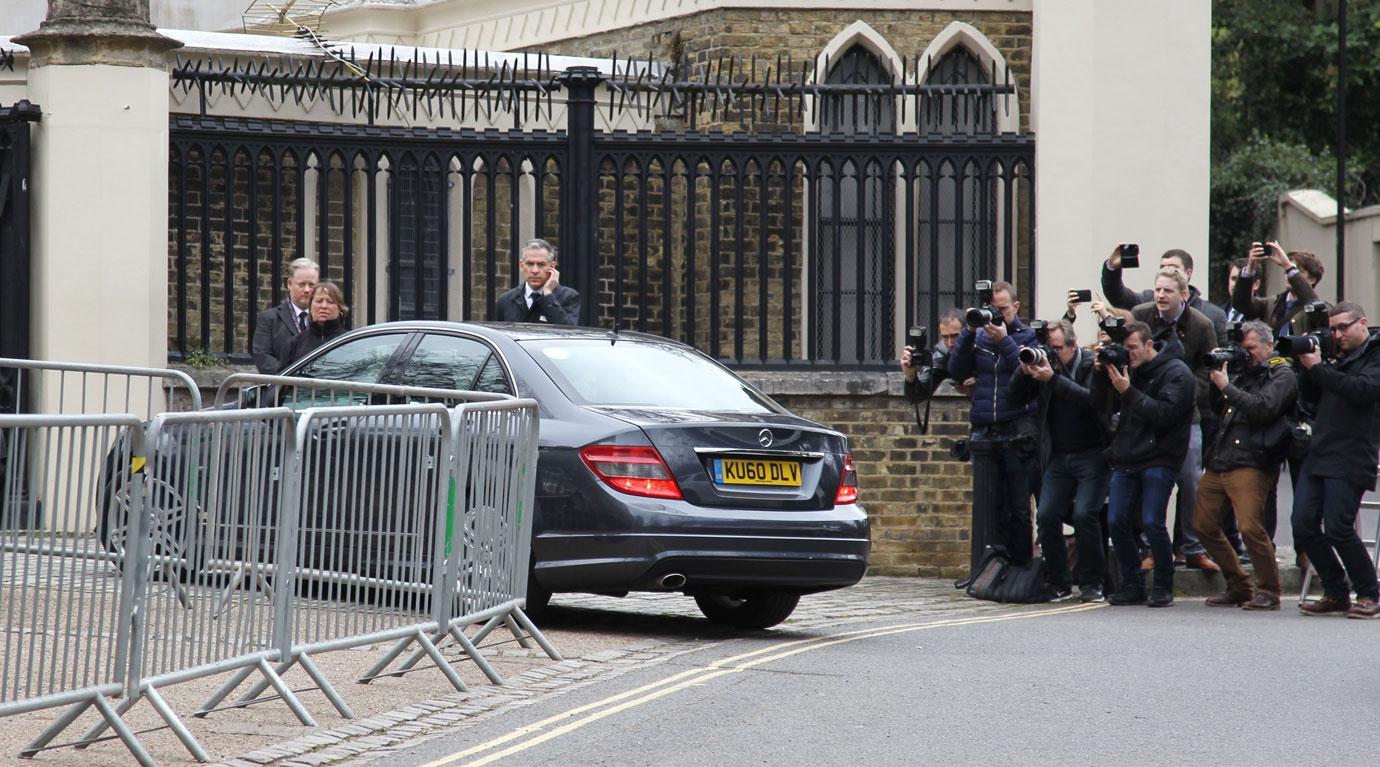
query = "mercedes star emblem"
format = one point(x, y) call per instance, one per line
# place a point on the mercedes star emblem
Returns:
point(764, 438)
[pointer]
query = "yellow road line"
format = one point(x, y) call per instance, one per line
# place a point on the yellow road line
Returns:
point(696, 676)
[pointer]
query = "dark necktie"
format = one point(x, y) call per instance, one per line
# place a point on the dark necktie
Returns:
point(301, 321)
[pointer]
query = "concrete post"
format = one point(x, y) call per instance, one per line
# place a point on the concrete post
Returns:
point(100, 183)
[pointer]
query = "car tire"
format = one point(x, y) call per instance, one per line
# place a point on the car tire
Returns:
point(750, 610)
point(538, 597)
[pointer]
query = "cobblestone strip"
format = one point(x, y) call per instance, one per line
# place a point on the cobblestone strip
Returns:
point(368, 739)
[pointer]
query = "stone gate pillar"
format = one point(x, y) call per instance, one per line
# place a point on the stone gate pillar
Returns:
point(100, 183)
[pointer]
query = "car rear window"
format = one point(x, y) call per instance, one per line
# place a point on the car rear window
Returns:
point(641, 374)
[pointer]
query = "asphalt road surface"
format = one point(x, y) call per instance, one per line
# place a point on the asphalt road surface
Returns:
point(1047, 684)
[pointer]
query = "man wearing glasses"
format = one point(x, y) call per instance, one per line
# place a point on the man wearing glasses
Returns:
point(1340, 465)
point(1076, 474)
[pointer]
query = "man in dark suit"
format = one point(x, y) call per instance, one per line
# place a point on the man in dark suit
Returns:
point(276, 325)
point(541, 297)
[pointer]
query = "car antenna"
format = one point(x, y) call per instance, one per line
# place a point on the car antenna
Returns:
point(613, 333)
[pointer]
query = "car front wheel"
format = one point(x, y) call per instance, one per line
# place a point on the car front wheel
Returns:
point(748, 610)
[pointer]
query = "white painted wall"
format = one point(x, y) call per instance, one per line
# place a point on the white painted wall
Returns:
point(19, 16)
point(1120, 100)
point(1308, 221)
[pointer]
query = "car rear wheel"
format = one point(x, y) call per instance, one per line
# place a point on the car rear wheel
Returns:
point(748, 610)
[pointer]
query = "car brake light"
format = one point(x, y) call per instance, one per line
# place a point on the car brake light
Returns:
point(632, 470)
point(848, 482)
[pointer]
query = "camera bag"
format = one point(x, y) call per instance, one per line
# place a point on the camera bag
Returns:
point(998, 579)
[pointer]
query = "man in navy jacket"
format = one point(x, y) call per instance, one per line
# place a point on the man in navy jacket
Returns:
point(991, 354)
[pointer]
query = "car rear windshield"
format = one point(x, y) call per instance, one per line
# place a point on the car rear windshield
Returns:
point(641, 374)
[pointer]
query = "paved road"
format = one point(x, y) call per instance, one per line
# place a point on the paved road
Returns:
point(956, 683)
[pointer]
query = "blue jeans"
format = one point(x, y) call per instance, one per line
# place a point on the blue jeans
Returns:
point(1137, 503)
point(1185, 537)
point(1324, 524)
point(1073, 489)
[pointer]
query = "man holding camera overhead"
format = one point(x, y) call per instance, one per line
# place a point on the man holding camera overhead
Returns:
point(1252, 393)
point(1122, 297)
point(988, 349)
point(1075, 472)
point(1341, 464)
point(1303, 270)
point(1148, 396)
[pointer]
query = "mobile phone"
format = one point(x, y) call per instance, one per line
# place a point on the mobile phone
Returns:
point(1081, 296)
point(1130, 256)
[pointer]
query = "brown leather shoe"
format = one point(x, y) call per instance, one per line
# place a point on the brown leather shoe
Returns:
point(1262, 601)
point(1326, 606)
point(1201, 562)
point(1365, 607)
point(1231, 599)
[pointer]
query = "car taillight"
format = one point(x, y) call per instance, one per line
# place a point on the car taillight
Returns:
point(848, 482)
point(632, 470)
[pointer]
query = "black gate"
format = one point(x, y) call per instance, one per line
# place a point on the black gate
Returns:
point(807, 225)
point(14, 243)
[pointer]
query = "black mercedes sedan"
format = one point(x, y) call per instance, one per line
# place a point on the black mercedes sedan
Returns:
point(658, 470)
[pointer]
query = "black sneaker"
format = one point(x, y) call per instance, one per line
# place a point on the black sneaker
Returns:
point(1128, 595)
point(1090, 594)
point(1161, 598)
point(1058, 593)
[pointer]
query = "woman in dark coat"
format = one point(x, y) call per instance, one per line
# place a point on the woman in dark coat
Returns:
point(328, 312)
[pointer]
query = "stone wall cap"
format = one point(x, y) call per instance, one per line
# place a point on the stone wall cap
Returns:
point(832, 383)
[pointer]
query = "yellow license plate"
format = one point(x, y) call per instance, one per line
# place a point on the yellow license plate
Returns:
point(756, 471)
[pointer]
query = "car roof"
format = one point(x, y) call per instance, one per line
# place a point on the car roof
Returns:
point(521, 331)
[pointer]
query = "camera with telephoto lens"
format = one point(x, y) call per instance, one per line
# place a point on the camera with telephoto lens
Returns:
point(1114, 353)
point(1032, 355)
point(1318, 337)
point(984, 313)
point(1231, 355)
point(918, 339)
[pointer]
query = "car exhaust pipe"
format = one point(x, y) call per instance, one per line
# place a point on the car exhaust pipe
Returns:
point(671, 581)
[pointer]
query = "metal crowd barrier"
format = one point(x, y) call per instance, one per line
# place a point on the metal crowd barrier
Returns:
point(67, 388)
point(244, 541)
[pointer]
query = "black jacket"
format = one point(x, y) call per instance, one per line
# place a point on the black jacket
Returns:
point(1153, 416)
point(928, 379)
point(1346, 430)
point(1122, 297)
point(1071, 386)
point(274, 329)
point(1252, 412)
point(304, 343)
point(560, 308)
point(1194, 337)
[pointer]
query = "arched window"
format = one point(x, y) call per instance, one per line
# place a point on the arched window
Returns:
point(957, 219)
point(853, 243)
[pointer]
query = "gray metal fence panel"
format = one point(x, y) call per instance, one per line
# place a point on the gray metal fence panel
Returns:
point(68, 388)
point(68, 619)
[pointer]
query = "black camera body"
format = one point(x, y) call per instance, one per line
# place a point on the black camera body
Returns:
point(1318, 337)
point(1115, 353)
point(1234, 357)
point(984, 313)
point(918, 338)
point(1041, 328)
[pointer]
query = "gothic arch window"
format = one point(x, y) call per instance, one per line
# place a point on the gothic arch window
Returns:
point(854, 222)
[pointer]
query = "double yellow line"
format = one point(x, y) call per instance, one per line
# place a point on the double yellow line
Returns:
point(575, 718)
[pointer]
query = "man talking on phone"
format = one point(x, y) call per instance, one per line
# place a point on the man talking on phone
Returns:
point(541, 297)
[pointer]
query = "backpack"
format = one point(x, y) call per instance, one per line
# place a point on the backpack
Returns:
point(998, 579)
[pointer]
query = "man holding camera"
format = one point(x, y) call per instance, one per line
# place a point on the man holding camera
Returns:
point(1303, 270)
point(1341, 464)
point(1150, 398)
point(1075, 473)
point(988, 349)
point(922, 381)
point(1253, 391)
point(1122, 297)
point(1183, 331)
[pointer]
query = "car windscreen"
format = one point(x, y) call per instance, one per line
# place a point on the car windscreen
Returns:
point(642, 374)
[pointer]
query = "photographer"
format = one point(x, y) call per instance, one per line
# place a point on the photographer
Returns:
point(990, 353)
point(1340, 465)
point(923, 381)
point(1122, 297)
point(1182, 331)
point(1149, 402)
point(1075, 473)
point(1252, 393)
point(1303, 270)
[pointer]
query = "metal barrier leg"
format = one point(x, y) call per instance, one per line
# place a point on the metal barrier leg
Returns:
point(516, 631)
point(488, 627)
point(183, 734)
point(54, 729)
point(286, 693)
point(376, 670)
point(263, 684)
point(88, 738)
point(458, 634)
point(441, 663)
point(131, 742)
point(535, 633)
point(309, 666)
point(221, 694)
